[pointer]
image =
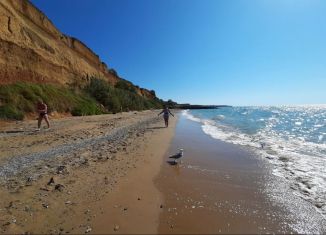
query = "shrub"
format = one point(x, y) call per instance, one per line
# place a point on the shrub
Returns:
point(124, 85)
point(22, 97)
point(122, 96)
point(10, 112)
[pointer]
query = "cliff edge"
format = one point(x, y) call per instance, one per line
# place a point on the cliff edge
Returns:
point(32, 49)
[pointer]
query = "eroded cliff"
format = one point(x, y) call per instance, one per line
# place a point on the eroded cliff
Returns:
point(32, 49)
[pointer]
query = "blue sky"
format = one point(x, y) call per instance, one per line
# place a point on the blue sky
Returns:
point(237, 52)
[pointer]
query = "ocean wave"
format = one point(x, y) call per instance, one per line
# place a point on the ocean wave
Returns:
point(296, 159)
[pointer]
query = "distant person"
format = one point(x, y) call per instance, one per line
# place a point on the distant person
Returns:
point(42, 110)
point(166, 113)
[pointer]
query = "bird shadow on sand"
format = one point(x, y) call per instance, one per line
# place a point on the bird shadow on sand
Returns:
point(171, 162)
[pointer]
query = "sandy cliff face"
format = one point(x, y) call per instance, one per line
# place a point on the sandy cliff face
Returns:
point(33, 49)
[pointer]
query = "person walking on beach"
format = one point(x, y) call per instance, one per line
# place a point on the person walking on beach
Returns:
point(42, 110)
point(166, 113)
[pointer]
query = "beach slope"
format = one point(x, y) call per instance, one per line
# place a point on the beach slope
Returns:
point(89, 174)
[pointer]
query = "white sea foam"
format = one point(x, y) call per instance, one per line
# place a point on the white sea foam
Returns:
point(299, 161)
point(189, 116)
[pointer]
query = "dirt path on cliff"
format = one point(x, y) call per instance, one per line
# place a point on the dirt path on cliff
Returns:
point(54, 181)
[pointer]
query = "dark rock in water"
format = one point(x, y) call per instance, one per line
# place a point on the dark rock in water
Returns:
point(51, 181)
point(59, 187)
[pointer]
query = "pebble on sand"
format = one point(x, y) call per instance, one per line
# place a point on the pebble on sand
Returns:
point(116, 227)
point(88, 229)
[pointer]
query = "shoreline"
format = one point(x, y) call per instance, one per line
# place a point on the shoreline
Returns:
point(102, 184)
point(224, 188)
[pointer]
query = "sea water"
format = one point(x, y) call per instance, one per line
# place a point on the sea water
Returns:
point(291, 138)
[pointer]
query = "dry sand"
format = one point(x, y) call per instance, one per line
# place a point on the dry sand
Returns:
point(102, 169)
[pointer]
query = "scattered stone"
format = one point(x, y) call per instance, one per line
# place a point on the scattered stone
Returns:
point(30, 179)
point(88, 229)
point(44, 189)
point(106, 180)
point(45, 205)
point(125, 208)
point(139, 199)
point(84, 161)
point(27, 208)
point(116, 227)
point(11, 205)
point(59, 187)
point(161, 206)
point(319, 205)
point(87, 211)
point(61, 169)
point(68, 202)
point(6, 224)
point(51, 181)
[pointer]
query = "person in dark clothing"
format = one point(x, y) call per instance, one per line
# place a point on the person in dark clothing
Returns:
point(166, 113)
point(42, 110)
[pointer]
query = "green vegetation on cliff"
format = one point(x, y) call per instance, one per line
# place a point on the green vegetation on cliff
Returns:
point(96, 98)
point(20, 98)
point(119, 98)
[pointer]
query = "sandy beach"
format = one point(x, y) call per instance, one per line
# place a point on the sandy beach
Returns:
point(112, 174)
point(85, 175)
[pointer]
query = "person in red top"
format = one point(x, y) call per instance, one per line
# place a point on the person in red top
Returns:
point(42, 109)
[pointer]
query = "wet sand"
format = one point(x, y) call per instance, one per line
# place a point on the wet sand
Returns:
point(85, 175)
point(222, 188)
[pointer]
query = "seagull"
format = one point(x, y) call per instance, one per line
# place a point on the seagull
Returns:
point(177, 155)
